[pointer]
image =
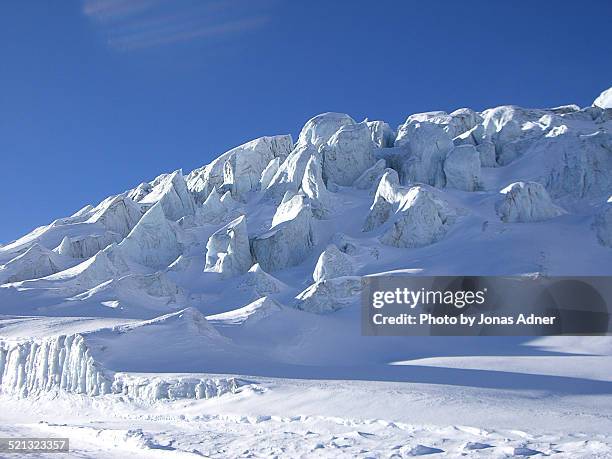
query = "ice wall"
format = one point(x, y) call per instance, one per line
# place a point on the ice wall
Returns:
point(62, 362)
point(65, 363)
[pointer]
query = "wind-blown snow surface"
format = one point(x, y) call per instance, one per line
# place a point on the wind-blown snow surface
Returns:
point(226, 301)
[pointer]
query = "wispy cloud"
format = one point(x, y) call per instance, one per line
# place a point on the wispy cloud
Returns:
point(109, 10)
point(137, 24)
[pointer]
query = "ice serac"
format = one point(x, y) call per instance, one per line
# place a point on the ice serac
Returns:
point(319, 129)
point(153, 242)
point(455, 123)
point(118, 214)
point(371, 176)
point(386, 200)
point(140, 191)
point(212, 210)
point(103, 266)
point(389, 187)
point(604, 100)
point(347, 154)
point(228, 201)
point(291, 205)
point(290, 239)
point(228, 251)
point(512, 129)
point(86, 246)
point(505, 123)
point(83, 212)
point(321, 200)
point(153, 388)
point(213, 207)
point(259, 283)
point(603, 224)
point(329, 295)
point(380, 211)
point(478, 138)
point(423, 218)
point(382, 134)
point(486, 149)
point(526, 202)
point(332, 263)
point(289, 175)
point(583, 168)
point(201, 181)
point(244, 167)
point(462, 168)
point(424, 116)
point(172, 194)
point(35, 262)
point(425, 148)
point(269, 172)
point(462, 120)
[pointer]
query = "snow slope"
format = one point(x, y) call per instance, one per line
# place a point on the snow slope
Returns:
point(235, 289)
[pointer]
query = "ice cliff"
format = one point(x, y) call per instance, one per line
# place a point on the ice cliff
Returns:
point(67, 363)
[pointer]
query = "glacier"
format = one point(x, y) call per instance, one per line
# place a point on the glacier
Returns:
point(236, 286)
point(337, 202)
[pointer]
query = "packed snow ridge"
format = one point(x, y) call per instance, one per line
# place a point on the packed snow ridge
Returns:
point(298, 224)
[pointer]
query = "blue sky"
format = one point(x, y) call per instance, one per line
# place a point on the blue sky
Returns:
point(99, 95)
